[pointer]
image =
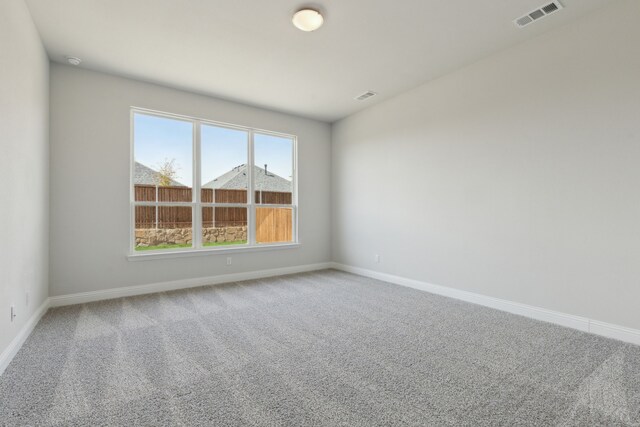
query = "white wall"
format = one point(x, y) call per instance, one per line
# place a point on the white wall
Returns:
point(517, 177)
point(24, 168)
point(90, 183)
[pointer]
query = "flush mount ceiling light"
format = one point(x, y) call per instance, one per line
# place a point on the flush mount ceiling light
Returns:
point(73, 60)
point(307, 19)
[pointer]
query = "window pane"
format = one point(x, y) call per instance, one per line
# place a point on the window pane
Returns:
point(224, 226)
point(163, 227)
point(163, 157)
point(224, 165)
point(273, 169)
point(274, 225)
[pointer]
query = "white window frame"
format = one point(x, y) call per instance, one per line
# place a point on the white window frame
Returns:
point(196, 203)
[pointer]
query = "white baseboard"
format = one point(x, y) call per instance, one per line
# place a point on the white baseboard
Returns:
point(609, 330)
point(584, 324)
point(576, 322)
point(84, 297)
point(14, 346)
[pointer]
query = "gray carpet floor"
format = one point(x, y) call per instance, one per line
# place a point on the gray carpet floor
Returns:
point(324, 348)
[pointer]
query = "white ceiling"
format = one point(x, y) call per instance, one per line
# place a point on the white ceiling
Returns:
point(248, 50)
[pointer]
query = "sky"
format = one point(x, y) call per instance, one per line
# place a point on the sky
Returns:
point(159, 139)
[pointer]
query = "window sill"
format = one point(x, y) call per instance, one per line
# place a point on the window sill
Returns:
point(208, 251)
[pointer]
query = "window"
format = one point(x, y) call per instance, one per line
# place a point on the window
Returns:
point(191, 182)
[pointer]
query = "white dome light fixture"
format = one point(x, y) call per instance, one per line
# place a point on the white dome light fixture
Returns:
point(73, 60)
point(307, 19)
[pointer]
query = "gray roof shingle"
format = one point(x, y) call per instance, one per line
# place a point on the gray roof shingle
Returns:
point(144, 175)
point(236, 179)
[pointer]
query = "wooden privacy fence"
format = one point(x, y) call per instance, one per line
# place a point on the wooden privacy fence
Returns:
point(162, 216)
point(272, 224)
point(167, 217)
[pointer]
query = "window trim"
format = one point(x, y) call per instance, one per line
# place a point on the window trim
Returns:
point(196, 203)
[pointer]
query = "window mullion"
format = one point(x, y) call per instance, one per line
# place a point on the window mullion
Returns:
point(132, 197)
point(294, 189)
point(251, 207)
point(197, 210)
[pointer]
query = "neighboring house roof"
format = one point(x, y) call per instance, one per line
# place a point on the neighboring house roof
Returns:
point(144, 175)
point(236, 179)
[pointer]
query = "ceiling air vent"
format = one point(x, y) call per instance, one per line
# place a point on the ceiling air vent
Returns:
point(365, 95)
point(537, 14)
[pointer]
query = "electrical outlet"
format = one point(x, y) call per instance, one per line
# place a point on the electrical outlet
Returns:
point(13, 312)
point(376, 258)
point(229, 261)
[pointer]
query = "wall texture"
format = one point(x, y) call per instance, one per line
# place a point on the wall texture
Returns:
point(516, 177)
point(24, 168)
point(90, 147)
